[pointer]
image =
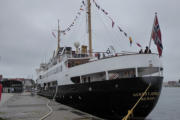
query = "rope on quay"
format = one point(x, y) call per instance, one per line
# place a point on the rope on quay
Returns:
point(49, 113)
point(130, 112)
point(50, 108)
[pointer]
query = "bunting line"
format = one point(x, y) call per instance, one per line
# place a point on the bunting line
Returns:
point(81, 9)
point(113, 23)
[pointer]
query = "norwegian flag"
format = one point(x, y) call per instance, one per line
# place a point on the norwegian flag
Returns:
point(156, 35)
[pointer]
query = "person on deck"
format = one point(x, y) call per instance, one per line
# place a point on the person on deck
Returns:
point(147, 50)
point(141, 51)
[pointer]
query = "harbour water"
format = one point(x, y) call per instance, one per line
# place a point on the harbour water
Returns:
point(168, 106)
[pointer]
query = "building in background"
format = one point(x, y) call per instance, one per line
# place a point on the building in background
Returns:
point(17, 85)
point(0, 77)
point(172, 84)
point(0, 86)
point(28, 85)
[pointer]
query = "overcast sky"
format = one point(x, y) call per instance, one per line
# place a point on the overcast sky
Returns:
point(26, 26)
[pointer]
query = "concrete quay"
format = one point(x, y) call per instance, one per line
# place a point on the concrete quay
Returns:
point(27, 107)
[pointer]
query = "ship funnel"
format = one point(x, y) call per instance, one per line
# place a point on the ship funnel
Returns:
point(84, 49)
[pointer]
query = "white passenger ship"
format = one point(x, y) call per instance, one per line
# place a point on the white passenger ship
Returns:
point(101, 84)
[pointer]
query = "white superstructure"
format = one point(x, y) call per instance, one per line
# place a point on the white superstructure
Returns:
point(79, 68)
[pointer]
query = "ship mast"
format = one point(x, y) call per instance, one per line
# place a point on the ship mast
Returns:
point(89, 27)
point(58, 46)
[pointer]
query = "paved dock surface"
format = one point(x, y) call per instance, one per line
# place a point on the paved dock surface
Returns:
point(27, 107)
point(5, 97)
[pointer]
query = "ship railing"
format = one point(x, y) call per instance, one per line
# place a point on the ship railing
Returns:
point(86, 54)
point(94, 55)
point(100, 55)
point(104, 55)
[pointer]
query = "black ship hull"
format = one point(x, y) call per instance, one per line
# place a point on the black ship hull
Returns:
point(110, 99)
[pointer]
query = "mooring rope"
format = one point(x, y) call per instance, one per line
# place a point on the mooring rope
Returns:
point(130, 112)
point(50, 108)
point(55, 92)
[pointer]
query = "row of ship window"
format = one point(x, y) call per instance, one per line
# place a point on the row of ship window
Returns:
point(54, 71)
point(116, 74)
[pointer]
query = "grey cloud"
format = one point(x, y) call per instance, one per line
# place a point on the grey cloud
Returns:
point(25, 30)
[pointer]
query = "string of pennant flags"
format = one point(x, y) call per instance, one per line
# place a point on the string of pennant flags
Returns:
point(79, 13)
point(81, 9)
point(113, 23)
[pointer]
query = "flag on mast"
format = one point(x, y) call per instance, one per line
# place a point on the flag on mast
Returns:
point(130, 40)
point(156, 35)
point(53, 34)
point(139, 45)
